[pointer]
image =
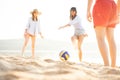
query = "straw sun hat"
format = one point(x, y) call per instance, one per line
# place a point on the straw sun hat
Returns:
point(35, 11)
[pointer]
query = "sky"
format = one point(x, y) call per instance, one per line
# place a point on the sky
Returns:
point(14, 15)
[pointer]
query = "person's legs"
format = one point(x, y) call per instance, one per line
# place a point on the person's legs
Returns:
point(100, 35)
point(80, 40)
point(104, 16)
point(33, 46)
point(74, 41)
point(112, 45)
point(25, 43)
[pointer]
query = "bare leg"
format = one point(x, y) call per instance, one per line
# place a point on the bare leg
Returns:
point(25, 44)
point(112, 46)
point(33, 46)
point(100, 35)
point(80, 40)
point(74, 41)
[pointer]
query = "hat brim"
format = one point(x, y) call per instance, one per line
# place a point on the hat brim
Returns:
point(39, 13)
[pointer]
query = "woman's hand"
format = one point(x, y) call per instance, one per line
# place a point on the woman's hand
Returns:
point(41, 35)
point(61, 27)
point(89, 16)
point(25, 34)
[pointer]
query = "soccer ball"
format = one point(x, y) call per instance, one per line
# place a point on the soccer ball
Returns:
point(64, 56)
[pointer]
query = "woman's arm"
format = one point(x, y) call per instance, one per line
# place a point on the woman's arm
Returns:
point(118, 5)
point(118, 8)
point(89, 16)
point(89, 5)
point(67, 25)
point(39, 29)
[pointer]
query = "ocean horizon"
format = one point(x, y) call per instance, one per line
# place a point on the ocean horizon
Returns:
point(50, 49)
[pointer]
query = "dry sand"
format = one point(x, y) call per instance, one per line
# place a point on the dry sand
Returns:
point(46, 65)
point(19, 68)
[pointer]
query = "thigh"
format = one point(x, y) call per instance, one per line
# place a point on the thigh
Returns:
point(110, 33)
point(74, 37)
point(33, 40)
point(100, 32)
point(27, 36)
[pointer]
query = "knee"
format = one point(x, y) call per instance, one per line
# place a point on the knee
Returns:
point(72, 38)
point(100, 38)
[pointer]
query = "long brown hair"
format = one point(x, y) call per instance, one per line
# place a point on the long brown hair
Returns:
point(34, 19)
point(71, 16)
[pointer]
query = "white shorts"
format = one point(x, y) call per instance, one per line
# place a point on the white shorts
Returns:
point(79, 32)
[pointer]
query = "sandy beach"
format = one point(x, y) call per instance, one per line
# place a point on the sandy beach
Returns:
point(18, 68)
point(48, 66)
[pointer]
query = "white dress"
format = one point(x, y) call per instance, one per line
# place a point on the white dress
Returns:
point(33, 27)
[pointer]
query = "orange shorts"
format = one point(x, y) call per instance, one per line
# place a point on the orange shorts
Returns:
point(105, 13)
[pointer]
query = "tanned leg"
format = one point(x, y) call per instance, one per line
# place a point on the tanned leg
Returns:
point(25, 44)
point(80, 41)
point(100, 35)
point(112, 45)
point(33, 46)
